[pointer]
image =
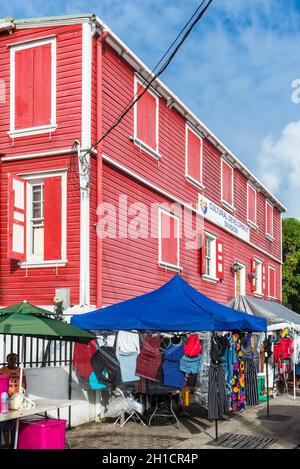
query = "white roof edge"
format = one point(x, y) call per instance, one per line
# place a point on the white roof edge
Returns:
point(162, 87)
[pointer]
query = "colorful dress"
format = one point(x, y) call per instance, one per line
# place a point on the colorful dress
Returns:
point(237, 397)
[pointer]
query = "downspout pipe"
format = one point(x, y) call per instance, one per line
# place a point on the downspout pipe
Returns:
point(100, 42)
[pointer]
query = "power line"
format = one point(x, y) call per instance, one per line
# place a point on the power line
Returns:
point(162, 69)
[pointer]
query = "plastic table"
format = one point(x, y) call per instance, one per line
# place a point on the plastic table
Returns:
point(41, 406)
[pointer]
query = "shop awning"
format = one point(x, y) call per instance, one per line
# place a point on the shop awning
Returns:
point(176, 306)
point(272, 311)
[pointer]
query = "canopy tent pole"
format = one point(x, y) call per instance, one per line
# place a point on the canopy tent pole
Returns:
point(267, 378)
point(216, 425)
point(294, 364)
point(20, 388)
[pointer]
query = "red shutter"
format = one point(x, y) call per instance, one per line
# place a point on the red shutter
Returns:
point(169, 241)
point(52, 218)
point(146, 118)
point(253, 271)
point(272, 280)
point(24, 60)
point(194, 156)
point(33, 87)
point(264, 280)
point(16, 218)
point(219, 259)
point(42, 85)
point(251, 204)
point(227, 183)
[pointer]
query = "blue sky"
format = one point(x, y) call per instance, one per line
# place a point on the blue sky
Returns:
point(235, 71)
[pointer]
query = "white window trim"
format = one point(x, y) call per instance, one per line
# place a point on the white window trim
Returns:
point(143, 146)
point(206, 277)
point(269, 236)
point(162, 263)
point(270, 267)
point(136, 140)
point(33, 261)
point(251, 222)
point(44, 128)
point(224, 202)
point(189, 178)
point(243, 268)
point(257, 292)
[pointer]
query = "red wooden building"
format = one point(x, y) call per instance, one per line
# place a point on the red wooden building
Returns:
point(64, 82)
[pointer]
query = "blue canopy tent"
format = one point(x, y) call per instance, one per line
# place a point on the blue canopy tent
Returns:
point(175, 306)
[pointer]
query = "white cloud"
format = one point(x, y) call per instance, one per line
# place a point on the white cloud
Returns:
point(279, 166)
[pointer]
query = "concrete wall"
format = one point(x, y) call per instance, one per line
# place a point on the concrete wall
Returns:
point(52, 383)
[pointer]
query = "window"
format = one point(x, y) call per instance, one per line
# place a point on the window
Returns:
point(37, 220)
point(251, 204)
point(272, 282)
point(209, 257)
point(33, 87)
point(227, 184)
point(37, 215)
point(212, 258)
point(146, 119)
point(169, 239)
point(193, 157)
point(240, 280)
point(269, 221)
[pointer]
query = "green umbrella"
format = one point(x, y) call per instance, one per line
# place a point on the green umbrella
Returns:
point(25, 307)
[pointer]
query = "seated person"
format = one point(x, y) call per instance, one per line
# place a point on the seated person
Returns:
point(13, 371)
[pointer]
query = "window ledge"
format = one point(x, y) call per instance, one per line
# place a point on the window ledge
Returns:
point(259, 295)
point(210, 279)
point(42, 264)
point(139, 143)
point(228, 206)
point(195, 182)
point(164, 265)
point(43, 129)
point(270, 238)
point(252, 224)
point(272, 298)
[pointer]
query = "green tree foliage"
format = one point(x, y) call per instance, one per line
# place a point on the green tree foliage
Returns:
point(291, 260)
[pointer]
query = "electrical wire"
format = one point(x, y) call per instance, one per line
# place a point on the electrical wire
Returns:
point(162, 69)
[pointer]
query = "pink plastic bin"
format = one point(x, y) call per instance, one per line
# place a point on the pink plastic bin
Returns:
point(42, 434)
point(4, 385)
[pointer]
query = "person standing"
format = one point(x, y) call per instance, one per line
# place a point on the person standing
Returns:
point(13, 371)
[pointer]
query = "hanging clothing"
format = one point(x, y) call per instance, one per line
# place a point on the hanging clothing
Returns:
point(286, 348)
point(94, 383)
point(219, 343)
point(217, 404)
point(296, 349)
point(228, 360)
point(106, 366)
point(82, 358)
point(251, 389)
point(128, 367)
point(189, 365)
point(237, 396)
point(127, 343)
point(172, 376)
point(193, 346)
point(149, 359)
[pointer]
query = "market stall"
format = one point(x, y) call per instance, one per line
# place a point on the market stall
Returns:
point(284, 338)
point(176, 337)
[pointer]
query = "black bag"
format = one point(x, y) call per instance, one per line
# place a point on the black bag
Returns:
point(106, 366)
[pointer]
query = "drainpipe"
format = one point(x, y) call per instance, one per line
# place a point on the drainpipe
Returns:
point(100, 41)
